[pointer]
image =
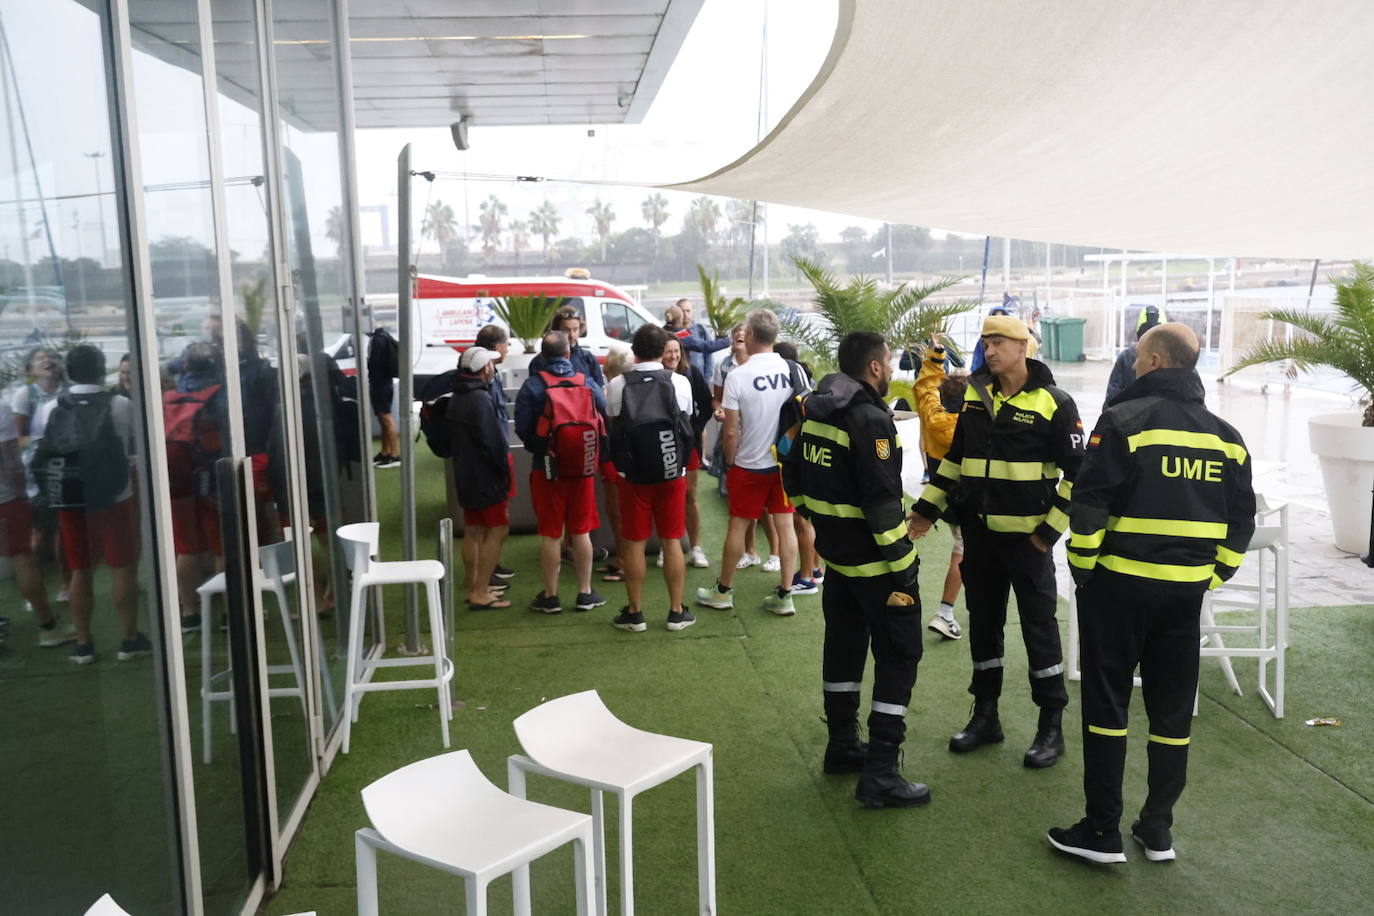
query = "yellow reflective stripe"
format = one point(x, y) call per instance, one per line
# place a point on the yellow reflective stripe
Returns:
point(1065, 490)
point(826, 431)
point(1109, 732)
point(974, 467)
point(1038, 400)
point(836, 510)
point(1057, 520)
point(1082, 562)
point(876, 568)
point(997, 469)
point(935, 496)
point(1092, 541)
point(1176, 742)
point(891, 536)
point(1229, 557)
point(1184, 439)
point(1216, 580)
point(1170, 527)
point(1164, 572)
point(948, 469)
point(1015, 524)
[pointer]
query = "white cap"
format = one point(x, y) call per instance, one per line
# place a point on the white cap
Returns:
point(475, 359)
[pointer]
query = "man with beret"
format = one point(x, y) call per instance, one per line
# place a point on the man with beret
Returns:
point(1007, 479)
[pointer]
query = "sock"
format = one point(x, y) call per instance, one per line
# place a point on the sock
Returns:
point(49, 625)
point(946, 610)
point(722, 589)
point(784, 592)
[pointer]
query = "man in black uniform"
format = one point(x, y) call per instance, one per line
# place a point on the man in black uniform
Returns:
point(851, 490)
point(1162, 511)
point(1001, 481)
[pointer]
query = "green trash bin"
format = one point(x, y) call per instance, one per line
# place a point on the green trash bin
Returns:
point(1049, 337)
point(1062, 338)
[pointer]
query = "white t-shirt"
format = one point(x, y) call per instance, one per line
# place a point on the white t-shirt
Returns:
point(615, 390)
point(9, 432)
point(757, 390)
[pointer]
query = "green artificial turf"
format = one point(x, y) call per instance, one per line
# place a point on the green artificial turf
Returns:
point(1278, 816)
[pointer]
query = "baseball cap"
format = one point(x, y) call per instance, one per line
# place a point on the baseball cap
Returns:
point(475, 359)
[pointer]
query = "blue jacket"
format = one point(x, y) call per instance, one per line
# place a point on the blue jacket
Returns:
point(498, 399)
point(529, 402)
point(583, 360)
point(698, 343)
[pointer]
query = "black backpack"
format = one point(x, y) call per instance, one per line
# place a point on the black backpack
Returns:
point(348, 435)
point(791, 415)
point(653, 437)
point(434, 398)
point(80, 462)
point(383, 356)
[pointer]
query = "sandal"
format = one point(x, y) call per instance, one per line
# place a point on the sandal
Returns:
point(613, 574)
point(495, 604)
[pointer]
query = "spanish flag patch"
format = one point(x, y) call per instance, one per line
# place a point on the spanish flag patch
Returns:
point(1094, 440)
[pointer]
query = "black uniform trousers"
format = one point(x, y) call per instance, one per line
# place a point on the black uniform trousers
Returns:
point(1124, 621)
point(995, 564)
point(857, 615)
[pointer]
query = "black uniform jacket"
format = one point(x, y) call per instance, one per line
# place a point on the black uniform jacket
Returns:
point(1005, 471)
point(851, 482)
point(481, 470)
point(1165, 491)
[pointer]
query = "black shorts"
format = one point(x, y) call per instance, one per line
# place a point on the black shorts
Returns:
point(380, 394)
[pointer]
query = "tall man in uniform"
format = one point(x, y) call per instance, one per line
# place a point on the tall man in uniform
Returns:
point(1162, 511)
point(851, 490)
point(1016, 436)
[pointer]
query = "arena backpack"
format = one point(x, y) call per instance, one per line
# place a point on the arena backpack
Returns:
point(652, 438)
point(570, 429)
point(195, 439)
point(80, 462)
point(434, 398)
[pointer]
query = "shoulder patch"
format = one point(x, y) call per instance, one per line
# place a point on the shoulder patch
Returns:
point(1094, 440)
point(883, 447)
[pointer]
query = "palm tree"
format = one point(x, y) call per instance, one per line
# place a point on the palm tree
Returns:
point(702, 215)
point(334, 228)
point(604, 216)
point(491, 223)
point(1344, 343)
point(439, 224)
point(721, 314)
point(544, 223)
point(901, 315)
point(519, 238)
point(654, 209)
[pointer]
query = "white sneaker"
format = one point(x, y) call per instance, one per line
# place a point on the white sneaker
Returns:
point(698, 558)
point(773, 563)
point(949, 629)
point(659, 562)
point(749, 559)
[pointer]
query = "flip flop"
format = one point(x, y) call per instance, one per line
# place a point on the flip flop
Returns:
point(494, 605)
point(613, 575)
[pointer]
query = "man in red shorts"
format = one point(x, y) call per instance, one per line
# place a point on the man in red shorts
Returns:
point(754, 394)
point(478, 441)
point(651, 434)
point(560, 502)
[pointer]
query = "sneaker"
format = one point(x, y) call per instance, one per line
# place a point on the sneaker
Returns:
point(1082, 841)
point(629, 620)
point(599, 554)
point(134, 648)
point(58, 635)
point(82, 654)
point(680, 620)
point(61, 595)
point(380, 457)
point(547, 603)
point(773, 563)
point(1158, 844)
point(588, 600)
point(716, 597)
point(748, 560)
point(190, 623)
point(659, 561)
point(697, 558)
point(389, 461)
point(818, 575)
point(949, 629)
point(497, 584)
point(503, 573)
point(802, 586)
point(780, 604)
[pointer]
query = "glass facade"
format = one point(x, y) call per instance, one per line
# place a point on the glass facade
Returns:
point(176, 444)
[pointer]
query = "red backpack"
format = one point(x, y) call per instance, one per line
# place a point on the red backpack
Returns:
point(194, 440)
point(570, 428)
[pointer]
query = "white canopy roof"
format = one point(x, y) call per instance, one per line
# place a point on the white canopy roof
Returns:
point(1237, 127)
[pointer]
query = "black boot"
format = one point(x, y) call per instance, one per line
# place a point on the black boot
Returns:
point(844, 753)
point(983, 728)
point(1048, 745)
point(882, 785)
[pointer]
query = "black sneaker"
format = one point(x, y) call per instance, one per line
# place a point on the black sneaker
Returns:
point(380, 457)
point(82, 654)
point(680, 620)
point(190, 623)
point(497, 584)
point(599, 554)
point(503, 573)
point(1157, 843)
point(1086, 843)
point(630, 620)
point(135, 648)
point(547, 603)
point(588, 600)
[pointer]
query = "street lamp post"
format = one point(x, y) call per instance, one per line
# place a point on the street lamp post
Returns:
point(95, 158)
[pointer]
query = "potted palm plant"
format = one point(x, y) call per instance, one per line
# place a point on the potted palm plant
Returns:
point(722, 314)
point(527, 318)
point(1343, 442)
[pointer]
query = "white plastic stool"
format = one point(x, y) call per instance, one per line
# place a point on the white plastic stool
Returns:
point(577, 739)
point(444, 813)
point(360, 549)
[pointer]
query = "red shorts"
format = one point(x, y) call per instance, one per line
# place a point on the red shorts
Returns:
point(16, 527)
point(510, 463)
point(609, 475)
point(646, 507)
point(493, 516)
point(694, 463)
point(753, 492)
point(195, 527)
point(262, 481)
point(92, 535)
point(564, 503)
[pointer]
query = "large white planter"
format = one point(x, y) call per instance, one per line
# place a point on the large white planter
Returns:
point(1346, 452)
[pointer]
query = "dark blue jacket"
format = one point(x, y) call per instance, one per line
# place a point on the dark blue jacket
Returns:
point(583, 360)
point(499, 401)
point(529, 402)
point(479, 448)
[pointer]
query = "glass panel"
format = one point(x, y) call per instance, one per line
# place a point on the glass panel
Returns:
point(85, 767)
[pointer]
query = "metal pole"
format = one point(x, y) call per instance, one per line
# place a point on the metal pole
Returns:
point(407, 395)
point(983, 284)
point(95, 158)
point(763, 218)
point(1163, 287)
point(1049, 274)
point(1106, 307)
point(1119, 319)
point(1006, 265)
point(1211, 298)
point(753, 240)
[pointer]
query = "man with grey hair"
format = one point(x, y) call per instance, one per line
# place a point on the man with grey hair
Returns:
point(754, 394)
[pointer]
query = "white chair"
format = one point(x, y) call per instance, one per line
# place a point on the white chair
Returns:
point(106, 906)
point(577, 739)
point(360, 550)
point(444, 813)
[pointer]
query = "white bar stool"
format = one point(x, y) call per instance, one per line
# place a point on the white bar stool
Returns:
point(106, 906)
point(578, 740)
point(360, 549)
point(444, 813)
